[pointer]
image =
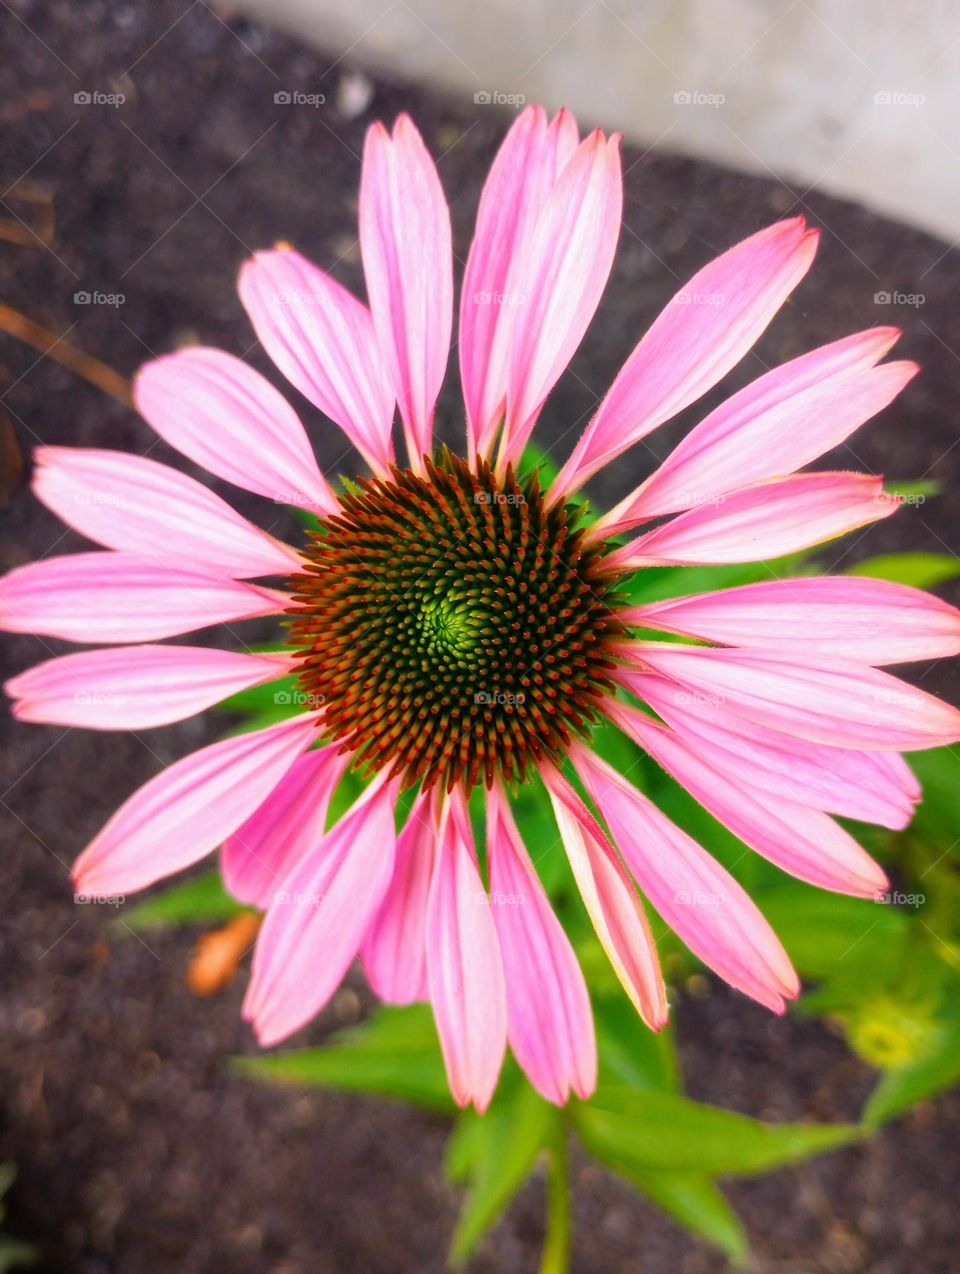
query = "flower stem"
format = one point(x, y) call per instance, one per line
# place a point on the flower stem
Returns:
point(556, 1247)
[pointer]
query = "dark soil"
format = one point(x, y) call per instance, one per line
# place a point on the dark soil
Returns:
point(137, 1153)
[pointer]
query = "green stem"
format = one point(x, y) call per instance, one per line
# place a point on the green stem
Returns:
point(556, 1247)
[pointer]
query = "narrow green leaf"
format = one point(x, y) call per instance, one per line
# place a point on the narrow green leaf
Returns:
point(922, 570)
point(650, 1131)
point(695, 1201)
point(200, 900)
point(831, 935)
point(394, 1053)
point(902, 1088)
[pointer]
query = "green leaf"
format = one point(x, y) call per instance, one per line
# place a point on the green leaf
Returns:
point(697, 1203)
point(938, 815)
point(914, 487)
point(649, 1131)
point(199, 900)
point(630, 1053)
point(395, 1053)
point(266, 699)
point(922, 570)
point(829, 935)
point(902, 1088)
point(495, 1153)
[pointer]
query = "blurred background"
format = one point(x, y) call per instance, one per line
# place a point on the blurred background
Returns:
point(148, 147)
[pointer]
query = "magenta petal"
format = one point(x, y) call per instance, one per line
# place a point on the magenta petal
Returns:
point(804, 842)
point(830, 701)
point(258, 856)
point(691, 891)
point(408, 264)
point(394, 952)
point(322, 339)
point(136, 687)
point(764, 521)
point(549, 1022)
point(318, 917)
point(523, 173)
point(464, 968)
point(702, 333)
point(842, 616)
point(118, 597)
point(139, 506)
point(611, 901)
point(189, 808)
point(220, 413)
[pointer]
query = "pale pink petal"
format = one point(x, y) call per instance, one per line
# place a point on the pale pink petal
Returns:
point(874, 787)
point(136, 687)
point(319, 915)
point(394, 952)
point(697, 897)
point(186, 810)
point(765, 521)
point(559, 280)
point(612, 904)
point(464, 969)
point(137, 505)
point(805, 842)
point(853, 617)
point(549, 1022)
point(322, 339)
point(521, 177)
point(831, 701)
point(220, 413)
point(408, 265)
point(767, 431)
point(702, 333)
point(291, 822)
point(119, 597)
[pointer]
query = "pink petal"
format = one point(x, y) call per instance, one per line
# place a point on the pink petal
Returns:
point(187, 809)
point(322, 339)
point(804, 842)
point(394, 951)
point(521, 178)
point(831, 701)
point(703, 332)
point(263, 851)
point(611, 901)
point(118, 597)
point(314, 927)
point(464, 968)
point(764, 521)
point(775, 426)
point(136, 687)
point(691, 891)
point(408, 264)
point(847, 617)
point(220, 413)
point(875, 787)
point(549, 1022)
point(559, 280)
point(137, 505)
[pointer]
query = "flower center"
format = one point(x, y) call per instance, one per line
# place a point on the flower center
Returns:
point(453, 625)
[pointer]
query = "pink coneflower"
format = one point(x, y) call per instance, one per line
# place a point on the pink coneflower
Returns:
point(454, 627)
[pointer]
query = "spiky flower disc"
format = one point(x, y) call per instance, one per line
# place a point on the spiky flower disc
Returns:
point(453, 625)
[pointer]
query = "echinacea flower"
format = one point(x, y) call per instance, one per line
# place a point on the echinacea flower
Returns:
point(454, 627)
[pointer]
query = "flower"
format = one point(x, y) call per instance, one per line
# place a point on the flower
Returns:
point(454, 627)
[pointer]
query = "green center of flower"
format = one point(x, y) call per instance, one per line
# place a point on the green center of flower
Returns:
point(453, 625)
